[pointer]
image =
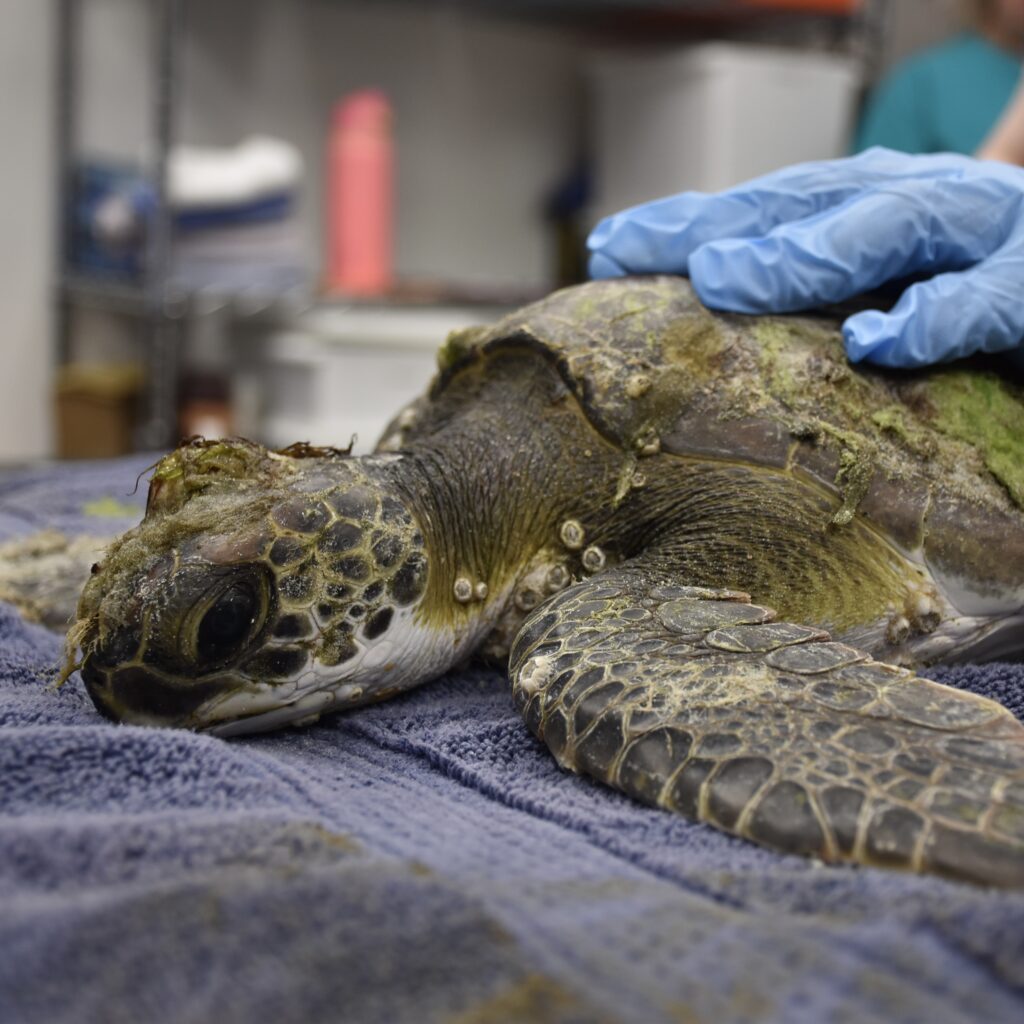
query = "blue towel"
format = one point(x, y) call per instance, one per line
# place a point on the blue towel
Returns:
point(423, 860)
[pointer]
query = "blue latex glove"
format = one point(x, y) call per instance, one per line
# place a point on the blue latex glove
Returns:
point(819, 233)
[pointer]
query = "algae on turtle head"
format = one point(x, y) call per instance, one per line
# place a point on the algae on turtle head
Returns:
point(598, 482)
point(42, 574)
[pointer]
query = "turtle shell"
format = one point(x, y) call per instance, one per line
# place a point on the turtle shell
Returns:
point(934, 459)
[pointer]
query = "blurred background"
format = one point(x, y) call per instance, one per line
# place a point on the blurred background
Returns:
point(263, 216)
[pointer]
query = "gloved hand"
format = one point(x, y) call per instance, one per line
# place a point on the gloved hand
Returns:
point(818, 233)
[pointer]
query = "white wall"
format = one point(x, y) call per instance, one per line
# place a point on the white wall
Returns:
point(26, 228)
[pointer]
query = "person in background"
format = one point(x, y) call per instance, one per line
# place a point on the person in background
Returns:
point(947, 98)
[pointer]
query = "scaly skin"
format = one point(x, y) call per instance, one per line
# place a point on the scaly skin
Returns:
point(264, 588)
point(697, 701)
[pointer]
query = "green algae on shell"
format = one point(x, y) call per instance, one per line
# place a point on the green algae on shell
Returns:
point(966, 425)
point(983, 410)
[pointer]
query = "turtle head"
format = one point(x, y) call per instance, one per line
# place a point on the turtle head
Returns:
point(260, 588)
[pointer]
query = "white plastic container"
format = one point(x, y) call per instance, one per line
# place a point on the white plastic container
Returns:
point(710, 116)
point(339, 371)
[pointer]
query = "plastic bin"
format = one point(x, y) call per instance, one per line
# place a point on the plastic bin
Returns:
point(707, 117)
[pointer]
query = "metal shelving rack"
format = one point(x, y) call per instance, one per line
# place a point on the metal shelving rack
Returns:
point(152, 299)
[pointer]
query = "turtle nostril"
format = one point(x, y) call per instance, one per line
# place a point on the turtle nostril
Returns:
point(116, 649)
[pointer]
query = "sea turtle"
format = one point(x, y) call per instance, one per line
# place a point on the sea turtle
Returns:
point(592, 487)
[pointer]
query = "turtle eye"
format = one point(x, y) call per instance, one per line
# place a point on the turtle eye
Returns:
point(228, 623)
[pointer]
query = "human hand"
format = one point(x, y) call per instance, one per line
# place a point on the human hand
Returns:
point(820, 233)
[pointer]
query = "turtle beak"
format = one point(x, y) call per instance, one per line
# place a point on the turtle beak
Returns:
point(136, 696)
point(124, 689)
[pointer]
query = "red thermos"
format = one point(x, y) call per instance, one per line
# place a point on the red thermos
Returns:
point(359, 195)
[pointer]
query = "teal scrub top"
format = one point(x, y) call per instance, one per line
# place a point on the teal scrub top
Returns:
point(944, 100)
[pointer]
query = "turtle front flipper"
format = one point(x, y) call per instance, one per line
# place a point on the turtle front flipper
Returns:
point(697, 701)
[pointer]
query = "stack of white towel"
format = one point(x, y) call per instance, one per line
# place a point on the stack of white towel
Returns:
point(236, 226)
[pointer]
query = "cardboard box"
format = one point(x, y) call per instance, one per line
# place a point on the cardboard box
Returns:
point(97, 409)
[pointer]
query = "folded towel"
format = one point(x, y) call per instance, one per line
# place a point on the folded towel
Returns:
point(424, 860)
point(259, 167)
point(216, 195)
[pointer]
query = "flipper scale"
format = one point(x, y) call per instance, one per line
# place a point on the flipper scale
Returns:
point(770, 730)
